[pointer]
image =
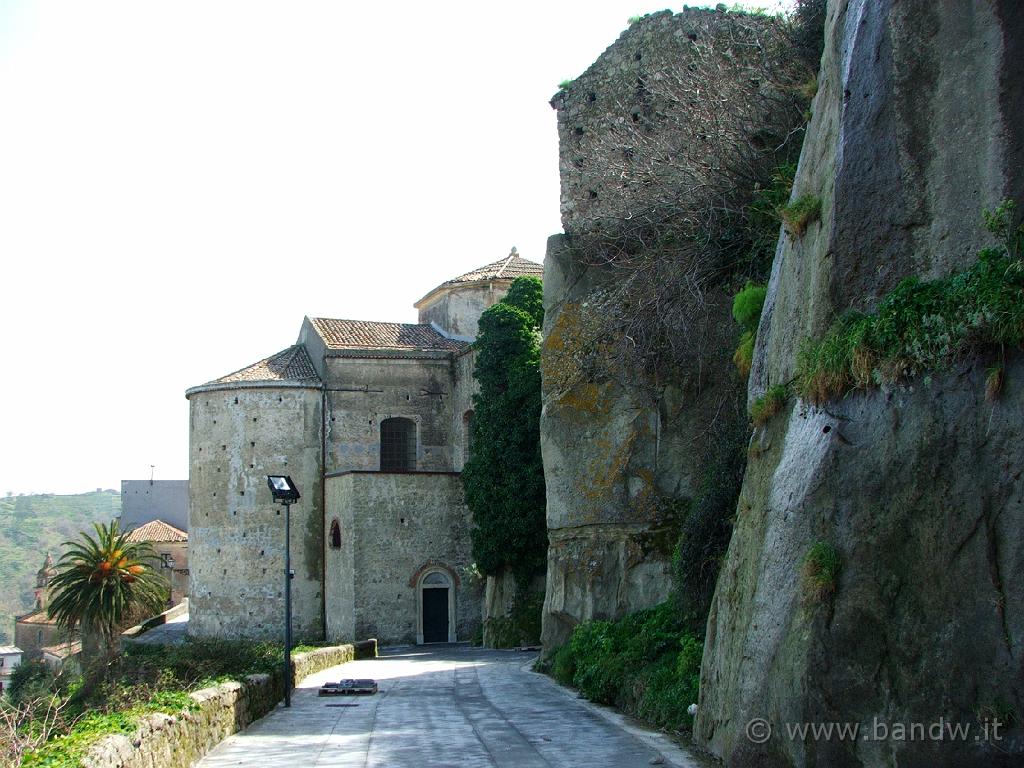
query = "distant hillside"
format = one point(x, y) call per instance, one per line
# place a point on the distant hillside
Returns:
point(29, 527)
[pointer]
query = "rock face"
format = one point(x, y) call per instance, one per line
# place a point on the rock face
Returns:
point(917, 127)
point(615, 449)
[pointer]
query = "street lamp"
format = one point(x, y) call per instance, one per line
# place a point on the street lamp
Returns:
point(284, 492)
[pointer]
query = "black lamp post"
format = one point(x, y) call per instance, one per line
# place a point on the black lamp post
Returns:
point(284, 492)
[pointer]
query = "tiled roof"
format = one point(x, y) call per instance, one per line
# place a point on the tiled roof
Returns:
point(511, 267)
point(6, 650)
point(366, 334)
point(38, 617)
point(64, 650)
point(157, 531)
point(291, 365)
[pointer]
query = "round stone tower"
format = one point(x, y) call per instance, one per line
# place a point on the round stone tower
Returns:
point(264, 419)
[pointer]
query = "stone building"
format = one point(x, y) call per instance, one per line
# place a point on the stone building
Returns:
point(170, 545)
point(371, 420)
point(10, 658)
point(35, 631)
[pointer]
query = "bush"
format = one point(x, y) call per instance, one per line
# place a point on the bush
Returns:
point(647, 663)
point(923, 325)
point(746, 311)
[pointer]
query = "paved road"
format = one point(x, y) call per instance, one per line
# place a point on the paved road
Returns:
point(447, 706)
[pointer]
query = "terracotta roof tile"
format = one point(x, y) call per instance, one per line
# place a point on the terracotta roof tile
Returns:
point(38, 617)
point(157, 531)
point(291, 365)
point(366, 334)
point(508, 268)
point(64, 650)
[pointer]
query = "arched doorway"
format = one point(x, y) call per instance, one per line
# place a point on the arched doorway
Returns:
point(436, 620)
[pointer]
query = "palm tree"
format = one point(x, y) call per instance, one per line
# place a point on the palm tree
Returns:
point(101, 582)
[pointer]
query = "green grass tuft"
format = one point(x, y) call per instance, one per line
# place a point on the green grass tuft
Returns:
point(922, 326)
point(768, 404)
point(800, 214)
point(565, 85)
point(821, 568)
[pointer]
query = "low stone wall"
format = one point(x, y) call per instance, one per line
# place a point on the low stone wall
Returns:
point(171, 741)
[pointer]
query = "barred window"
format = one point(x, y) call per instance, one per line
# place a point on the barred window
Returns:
point(397, 445)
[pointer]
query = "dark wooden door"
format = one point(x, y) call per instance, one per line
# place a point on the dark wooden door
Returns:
point(435, 615)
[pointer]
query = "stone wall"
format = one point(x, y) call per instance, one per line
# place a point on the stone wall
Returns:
point(395, 528)
point(918, 125)
point(239, 435)
point(362, 392)
point(170, 741)
point(456, 311)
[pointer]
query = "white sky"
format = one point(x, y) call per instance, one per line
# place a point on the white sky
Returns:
point(180, 182)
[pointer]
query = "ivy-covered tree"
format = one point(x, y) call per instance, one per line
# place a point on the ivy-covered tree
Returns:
point(504, 478)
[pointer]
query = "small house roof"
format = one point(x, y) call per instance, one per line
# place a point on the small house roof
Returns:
point(64, 650)
point(9, 650)
point(157, 531)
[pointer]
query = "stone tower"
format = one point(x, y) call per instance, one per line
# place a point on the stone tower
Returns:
point(43, 577)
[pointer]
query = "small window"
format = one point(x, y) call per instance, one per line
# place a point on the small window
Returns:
point(335, 535)
point(397, 445)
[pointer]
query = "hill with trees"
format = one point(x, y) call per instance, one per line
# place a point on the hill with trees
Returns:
point(30, 526)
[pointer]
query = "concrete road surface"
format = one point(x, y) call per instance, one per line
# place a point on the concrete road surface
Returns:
point(444, 706)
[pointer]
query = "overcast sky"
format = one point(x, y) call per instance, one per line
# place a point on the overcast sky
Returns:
point(181, 182)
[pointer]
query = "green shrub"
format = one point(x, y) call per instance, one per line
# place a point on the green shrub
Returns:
point(565, 85)
point(768, 404)
point(646, 663)
point(747, 305)
point(800, 214)
point(746, 311)
point(923, 325)
point(821, 568)
point(30, 680)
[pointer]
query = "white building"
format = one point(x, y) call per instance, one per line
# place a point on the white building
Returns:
point(10, 659)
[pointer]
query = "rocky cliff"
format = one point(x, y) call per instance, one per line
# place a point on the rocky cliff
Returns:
point(918, 124)
point(633, 381)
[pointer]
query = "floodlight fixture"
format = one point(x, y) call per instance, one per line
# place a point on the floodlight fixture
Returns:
point(283, 489)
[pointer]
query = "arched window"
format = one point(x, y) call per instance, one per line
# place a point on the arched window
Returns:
point(397, 445)
point(467, 436)
point(335, 540)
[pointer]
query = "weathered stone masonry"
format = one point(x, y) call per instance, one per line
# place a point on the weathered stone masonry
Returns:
point(367, 533)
